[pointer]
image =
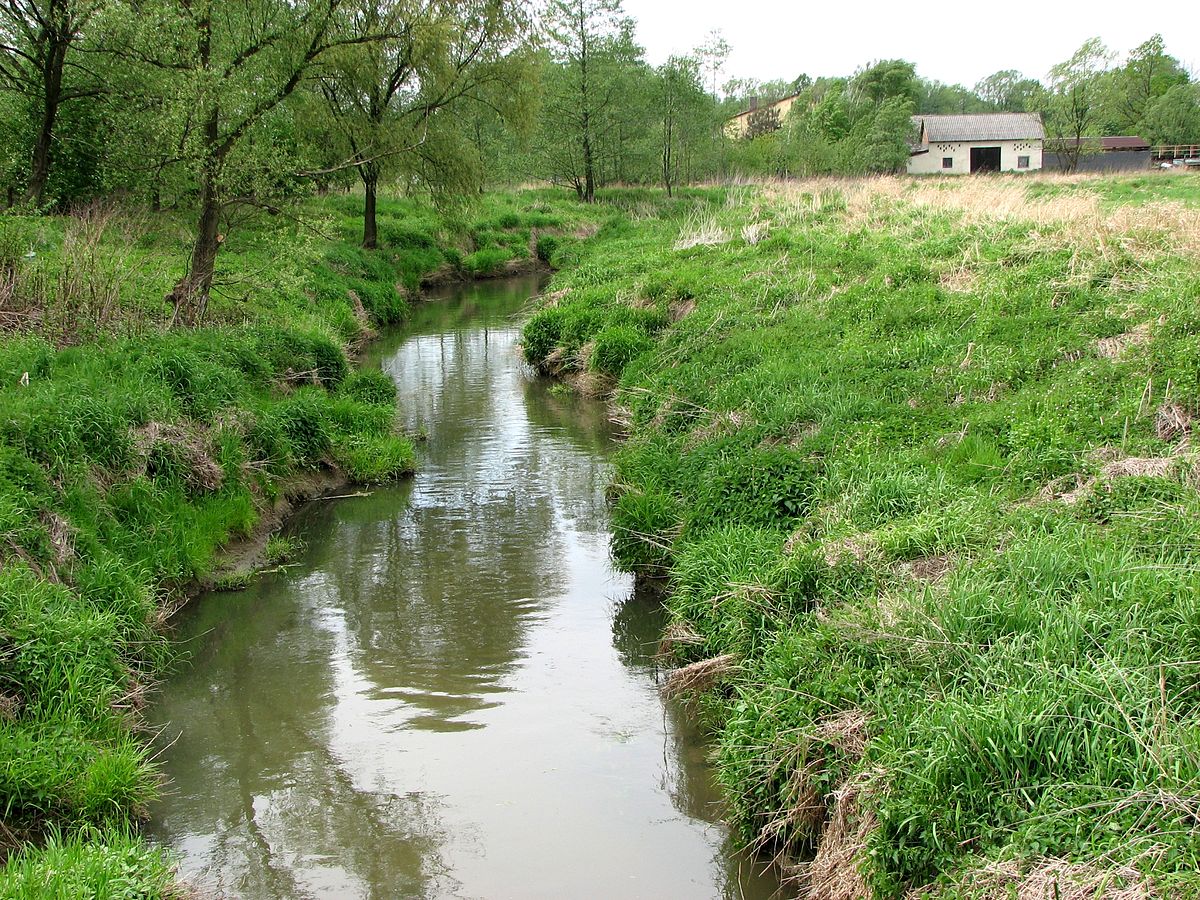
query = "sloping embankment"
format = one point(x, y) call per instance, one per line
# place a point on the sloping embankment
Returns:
point(916, 459)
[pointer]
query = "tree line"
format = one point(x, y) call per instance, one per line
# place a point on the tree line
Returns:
point(231, 108)
point(861, 123)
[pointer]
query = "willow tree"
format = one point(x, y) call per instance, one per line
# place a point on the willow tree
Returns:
point(221, 70)
point(39, 63)
point(389, 100)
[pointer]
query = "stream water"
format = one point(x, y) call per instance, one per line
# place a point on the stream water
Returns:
point(451, 693)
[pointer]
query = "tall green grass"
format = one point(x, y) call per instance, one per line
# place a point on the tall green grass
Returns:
point(890, 456)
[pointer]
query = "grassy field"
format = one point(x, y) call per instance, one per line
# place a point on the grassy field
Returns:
point(130, 452)
point(915, 460)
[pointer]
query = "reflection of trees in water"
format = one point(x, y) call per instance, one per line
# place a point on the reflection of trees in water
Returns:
point(259, 799)
point(418, 594)
point(638, 624)
point(455, 307)
point(585, 423)
point(437, 600)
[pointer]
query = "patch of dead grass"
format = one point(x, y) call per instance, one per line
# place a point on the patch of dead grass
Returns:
point(1078, 217)
point(1050, 879)
point(1117, 346)
point(836, 871)
point(699, 676)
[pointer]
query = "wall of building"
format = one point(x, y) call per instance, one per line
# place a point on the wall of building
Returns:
point(931, 163)
point(1110, 161)
point(736, 127)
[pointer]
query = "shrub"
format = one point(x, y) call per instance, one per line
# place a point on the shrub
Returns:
point(374, 459)
point(302, 420)
point(488, 261)
point(547, 246)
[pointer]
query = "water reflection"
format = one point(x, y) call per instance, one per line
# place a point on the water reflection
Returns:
point(452, 694)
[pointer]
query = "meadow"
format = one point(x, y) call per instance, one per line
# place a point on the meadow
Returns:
point(913, 461)
point(132, 451)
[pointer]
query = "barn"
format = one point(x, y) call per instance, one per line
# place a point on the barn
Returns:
point(985, 142)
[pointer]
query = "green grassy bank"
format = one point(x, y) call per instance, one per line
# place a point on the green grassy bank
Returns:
point(915, 459)
point(131, 452)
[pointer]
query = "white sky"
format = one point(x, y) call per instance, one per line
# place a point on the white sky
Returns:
point(949, 40)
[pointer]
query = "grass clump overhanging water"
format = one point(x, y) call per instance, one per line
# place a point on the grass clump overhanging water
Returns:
point(915, 460)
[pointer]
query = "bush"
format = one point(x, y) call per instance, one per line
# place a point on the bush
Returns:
point(375, 459)
point(547, 246)
point(302, 421)
point(488, 261)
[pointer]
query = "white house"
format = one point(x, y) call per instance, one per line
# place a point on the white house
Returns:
point(987, 142)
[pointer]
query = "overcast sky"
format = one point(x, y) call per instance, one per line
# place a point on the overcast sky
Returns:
point(950, 41)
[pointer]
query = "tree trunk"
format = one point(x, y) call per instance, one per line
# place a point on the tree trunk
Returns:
point(370, 179)
point(190, 295)
point(52, 75)
point(589, 168)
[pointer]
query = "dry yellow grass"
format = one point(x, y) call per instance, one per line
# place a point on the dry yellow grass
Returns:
point(1078, 217)
point(1050, 879)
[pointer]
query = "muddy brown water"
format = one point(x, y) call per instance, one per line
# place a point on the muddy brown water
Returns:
point(451, 693)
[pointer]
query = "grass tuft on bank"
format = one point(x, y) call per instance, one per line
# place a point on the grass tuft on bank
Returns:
point(915, 459)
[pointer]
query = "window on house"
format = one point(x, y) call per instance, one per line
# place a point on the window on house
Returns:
point(947, 162)
point(1022, 162)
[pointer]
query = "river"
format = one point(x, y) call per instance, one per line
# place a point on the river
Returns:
point(451, 693)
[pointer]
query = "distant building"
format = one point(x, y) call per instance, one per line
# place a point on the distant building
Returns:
point(1108, 154)
point(775, 111)
point(985, 142)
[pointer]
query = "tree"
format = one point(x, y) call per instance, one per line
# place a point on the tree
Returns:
point(936, 97)
point(1148, 74)
point(1007, 90)
point(1174, 118)
point(831, 115)
point(884, 80)
point(1075, 94)
point(37, 62)
point(582, 35)
point(712, 56)
point(383, 94)
point(681, 103)
point(885, 147)
point(762, 121)
point(223, 68)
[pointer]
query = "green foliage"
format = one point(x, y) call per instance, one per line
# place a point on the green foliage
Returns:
point(547, 246)
point(541, 335)
point(485, 262)
point(370, 459)
point(370, 386)
point(126, 461)
point(282, 548)
point(113, 864)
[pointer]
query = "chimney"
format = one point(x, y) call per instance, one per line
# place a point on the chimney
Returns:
point(753, 104)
